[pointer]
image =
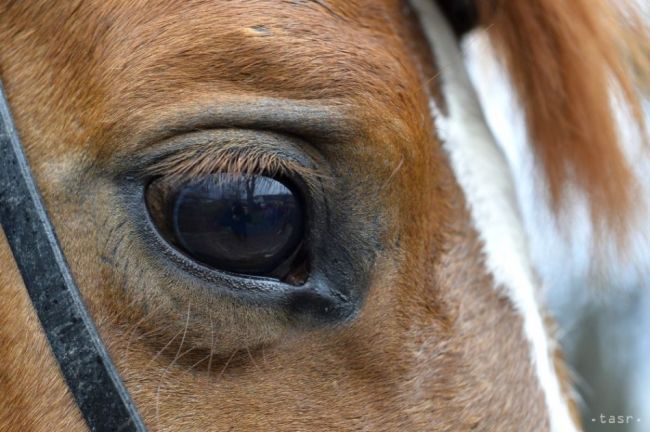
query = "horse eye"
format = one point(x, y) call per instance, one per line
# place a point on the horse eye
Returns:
point(249, 224)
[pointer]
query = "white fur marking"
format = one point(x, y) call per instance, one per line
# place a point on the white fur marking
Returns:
point(486, 181)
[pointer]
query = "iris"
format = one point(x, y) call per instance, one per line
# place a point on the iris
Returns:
point(248, 224)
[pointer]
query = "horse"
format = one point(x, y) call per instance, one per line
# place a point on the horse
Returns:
point(293, 215)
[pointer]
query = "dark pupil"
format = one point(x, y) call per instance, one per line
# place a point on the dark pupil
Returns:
point(244, 224)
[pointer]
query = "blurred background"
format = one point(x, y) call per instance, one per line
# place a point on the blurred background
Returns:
point(598, 293)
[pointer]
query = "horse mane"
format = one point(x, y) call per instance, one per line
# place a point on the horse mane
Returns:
point(569, 61)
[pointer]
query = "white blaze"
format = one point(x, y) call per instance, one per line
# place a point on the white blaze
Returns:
point(485, 178)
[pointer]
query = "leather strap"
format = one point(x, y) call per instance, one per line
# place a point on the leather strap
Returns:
point(80, 352)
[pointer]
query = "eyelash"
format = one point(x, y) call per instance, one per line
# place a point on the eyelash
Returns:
point(197, 161)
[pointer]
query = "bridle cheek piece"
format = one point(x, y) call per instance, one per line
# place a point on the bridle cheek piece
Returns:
point(87, 368)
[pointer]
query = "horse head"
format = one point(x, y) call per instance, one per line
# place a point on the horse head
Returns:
point(292, 215)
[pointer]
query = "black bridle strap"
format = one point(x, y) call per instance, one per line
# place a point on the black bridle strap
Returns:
point(83, 359)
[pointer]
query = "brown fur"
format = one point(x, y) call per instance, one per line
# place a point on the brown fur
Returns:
point(95, 85)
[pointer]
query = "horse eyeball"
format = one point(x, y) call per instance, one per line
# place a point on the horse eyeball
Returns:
point(248, 224)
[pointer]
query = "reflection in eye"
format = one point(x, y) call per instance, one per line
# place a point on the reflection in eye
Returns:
point(239, 223)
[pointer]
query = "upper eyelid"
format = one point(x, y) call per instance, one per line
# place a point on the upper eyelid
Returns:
point(302, 118)
point(153, 136)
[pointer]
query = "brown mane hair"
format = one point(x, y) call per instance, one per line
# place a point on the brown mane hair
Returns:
point(563, 58)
